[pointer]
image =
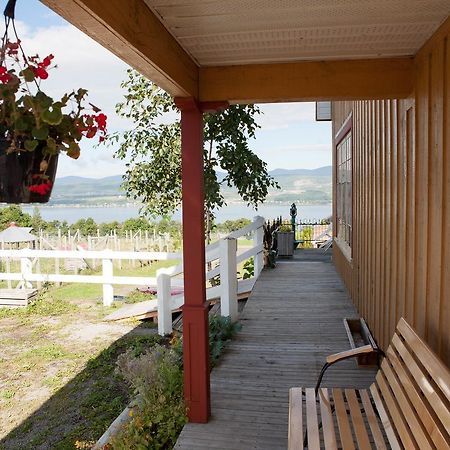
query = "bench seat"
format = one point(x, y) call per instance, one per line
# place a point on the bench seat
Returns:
point(407, 406)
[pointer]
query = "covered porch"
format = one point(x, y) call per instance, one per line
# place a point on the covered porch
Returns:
point(291, 322)
point(211, 54)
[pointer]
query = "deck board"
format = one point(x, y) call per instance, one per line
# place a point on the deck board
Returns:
point(292, 320)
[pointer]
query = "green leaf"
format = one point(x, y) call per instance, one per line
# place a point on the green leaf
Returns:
point(40, 133)
point(73, 151)
point(30, 145)
point(43, 100)
point(52, 116)
point(27, 74)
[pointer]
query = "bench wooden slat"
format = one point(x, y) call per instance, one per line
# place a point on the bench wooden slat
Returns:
point(295, 419)
point(408, 412)
point(435, 400)
point(372, 420)
point(312, 424)
point(357, 419)
point(329, 435)
point(397, 418)
point(345, 432)
point(385, 420)
point(432, 426)
point(408, 405)
point(437, 370)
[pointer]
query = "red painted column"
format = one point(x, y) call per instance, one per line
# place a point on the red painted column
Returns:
point(195, 309)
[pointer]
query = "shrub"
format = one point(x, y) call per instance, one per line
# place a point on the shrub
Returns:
point(157, 378)
point(248, 269)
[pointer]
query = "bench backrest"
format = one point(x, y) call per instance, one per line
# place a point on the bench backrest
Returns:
point(412, 392)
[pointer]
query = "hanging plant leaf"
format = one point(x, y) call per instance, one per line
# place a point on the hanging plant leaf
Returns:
point(30, 145)
point(21, 124)
point(27, 74)
point(80, 94)
point(52, 116)
point(73, 150)
point(40, 133)
point(51, 146)
point(43, 100)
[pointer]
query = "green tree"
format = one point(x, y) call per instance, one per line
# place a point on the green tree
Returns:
point(153, 149)
point(14, 213)
point(87, 227)
point(37, 222)
point(306, 235)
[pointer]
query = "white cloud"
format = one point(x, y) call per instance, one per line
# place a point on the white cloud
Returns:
point(282, 115)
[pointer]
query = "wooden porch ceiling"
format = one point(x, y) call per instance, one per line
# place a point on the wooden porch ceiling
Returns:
point(152, 37)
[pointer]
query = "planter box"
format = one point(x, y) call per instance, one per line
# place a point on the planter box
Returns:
point(359, 335)
point(285, 243)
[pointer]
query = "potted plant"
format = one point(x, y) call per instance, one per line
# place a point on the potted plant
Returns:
point(35, 128)
point(285, 237)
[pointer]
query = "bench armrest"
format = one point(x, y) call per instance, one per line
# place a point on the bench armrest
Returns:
point(331, 359)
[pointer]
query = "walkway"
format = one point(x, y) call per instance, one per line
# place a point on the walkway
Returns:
point(292, 320)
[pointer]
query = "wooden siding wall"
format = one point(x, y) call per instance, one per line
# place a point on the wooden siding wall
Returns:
point(401, 201)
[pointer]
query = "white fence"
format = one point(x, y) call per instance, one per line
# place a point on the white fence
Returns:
point(222, 258)
point(28, 257)
point(225, 256)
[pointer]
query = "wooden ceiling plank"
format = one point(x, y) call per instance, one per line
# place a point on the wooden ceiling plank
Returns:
point(309, 81)
point(135, 35)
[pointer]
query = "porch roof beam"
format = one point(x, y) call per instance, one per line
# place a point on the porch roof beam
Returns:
point(309, 81)
point(132, 32)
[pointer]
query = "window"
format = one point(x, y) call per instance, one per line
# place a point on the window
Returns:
point(344, 185)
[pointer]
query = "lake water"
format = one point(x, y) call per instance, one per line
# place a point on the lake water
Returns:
point(234, 211)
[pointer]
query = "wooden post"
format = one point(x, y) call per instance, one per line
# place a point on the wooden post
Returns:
point(195, 309)
point(7, 264)
point(258, 239)
point(38, 264)
point(26, 269)
point(164, 303)
point(118, 249)
point(108, 291)
point(228, 279)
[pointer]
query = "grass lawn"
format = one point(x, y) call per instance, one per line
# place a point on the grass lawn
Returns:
point(58, 385)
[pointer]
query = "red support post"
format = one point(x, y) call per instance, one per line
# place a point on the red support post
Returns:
point(195, 309)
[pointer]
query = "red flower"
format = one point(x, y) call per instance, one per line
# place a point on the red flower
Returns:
point(41, 189)
point(12, 48)
point(101, 121)
point(47, 60)
point(40, 70)
point(5, 76)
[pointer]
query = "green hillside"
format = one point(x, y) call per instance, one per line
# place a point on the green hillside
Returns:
point(300, 185)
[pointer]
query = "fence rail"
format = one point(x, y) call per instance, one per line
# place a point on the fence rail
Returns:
point(222, 259)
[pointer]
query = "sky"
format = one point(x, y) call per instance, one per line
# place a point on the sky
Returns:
point(289, 137)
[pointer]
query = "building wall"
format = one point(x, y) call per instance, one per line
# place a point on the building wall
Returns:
point(400, 263)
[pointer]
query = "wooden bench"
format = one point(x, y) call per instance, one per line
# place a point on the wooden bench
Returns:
point(408, 405)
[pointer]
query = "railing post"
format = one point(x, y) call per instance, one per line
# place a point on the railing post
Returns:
point(26, 269)
point(108, 290)
point(228, 279)
point(258, 239)
point(164, 303)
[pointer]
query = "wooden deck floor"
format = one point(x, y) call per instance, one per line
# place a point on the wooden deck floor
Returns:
point(292, 320)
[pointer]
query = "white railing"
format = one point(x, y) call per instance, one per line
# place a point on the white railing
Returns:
point(27, 258)
point(226, 257)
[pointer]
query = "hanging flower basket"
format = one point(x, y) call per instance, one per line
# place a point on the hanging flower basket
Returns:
point(35, 128)
point(24, 177)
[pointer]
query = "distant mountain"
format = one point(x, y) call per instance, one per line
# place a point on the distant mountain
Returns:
point(303, 186)
point(325, 171)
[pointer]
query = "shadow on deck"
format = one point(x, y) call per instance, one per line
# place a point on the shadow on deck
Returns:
point(292, 321)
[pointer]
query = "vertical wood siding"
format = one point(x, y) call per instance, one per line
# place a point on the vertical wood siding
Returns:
point(401, 204)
